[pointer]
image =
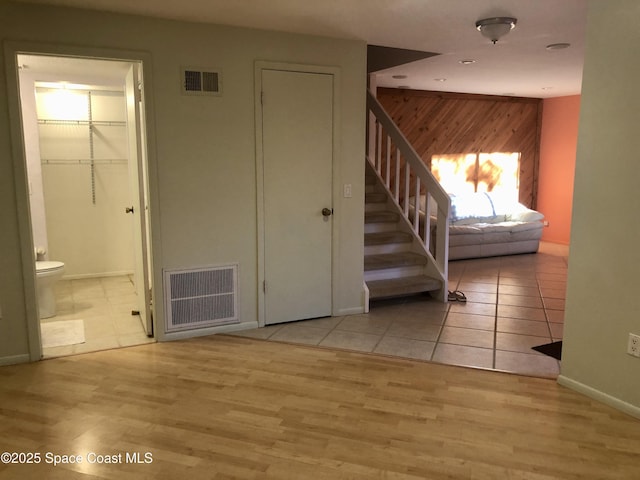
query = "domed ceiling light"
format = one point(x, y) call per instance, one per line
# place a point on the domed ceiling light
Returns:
point(496, 27)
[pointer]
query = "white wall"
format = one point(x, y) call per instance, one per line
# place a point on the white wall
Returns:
point(32, 156)
point(604, 280)
point(203, 152)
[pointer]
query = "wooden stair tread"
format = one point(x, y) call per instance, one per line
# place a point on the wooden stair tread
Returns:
point(399, 271)
point(392, 260)
point(402, 286)
point(381, 217)
point(386, 238)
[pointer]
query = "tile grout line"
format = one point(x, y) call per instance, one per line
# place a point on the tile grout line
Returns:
point(384, 334)
point(495, 322)
point(329, 333)
point(546, 316)
point(544, 307)
point(437, 340)
point(444, 321)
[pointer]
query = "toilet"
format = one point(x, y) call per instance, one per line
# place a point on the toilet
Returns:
point(47, 274)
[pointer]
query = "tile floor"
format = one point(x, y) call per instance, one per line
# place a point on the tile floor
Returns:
point(105, 305)
point(513, 303)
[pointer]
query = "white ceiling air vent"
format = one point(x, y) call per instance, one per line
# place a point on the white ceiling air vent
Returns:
point(201, 81)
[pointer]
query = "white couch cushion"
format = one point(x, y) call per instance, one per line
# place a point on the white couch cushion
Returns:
point(484, 208)
point(485, 233)
point(472, 208)
point(511, 209)
point(525, 215)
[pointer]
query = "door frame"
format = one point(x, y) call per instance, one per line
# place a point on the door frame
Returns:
point(301, 68)
point(11, 50)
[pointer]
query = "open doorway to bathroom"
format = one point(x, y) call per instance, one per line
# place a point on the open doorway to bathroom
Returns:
point(83, 130)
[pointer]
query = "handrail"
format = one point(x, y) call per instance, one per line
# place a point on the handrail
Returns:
point(401, 160)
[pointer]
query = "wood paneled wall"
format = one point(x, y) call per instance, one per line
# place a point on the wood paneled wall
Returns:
point(438, 123)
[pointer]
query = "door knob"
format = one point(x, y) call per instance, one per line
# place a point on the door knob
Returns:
point(128, 210)
point(327, 212)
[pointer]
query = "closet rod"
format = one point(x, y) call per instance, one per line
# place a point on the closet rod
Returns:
point(83, 161)
point(98, 123)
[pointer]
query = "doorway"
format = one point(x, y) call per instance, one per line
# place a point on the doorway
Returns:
point(83, 132)
point(297, 141)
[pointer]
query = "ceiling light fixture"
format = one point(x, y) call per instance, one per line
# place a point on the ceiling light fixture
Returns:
point(466, 62)
point(399, 77)
point(440, 79)
point(496, 27)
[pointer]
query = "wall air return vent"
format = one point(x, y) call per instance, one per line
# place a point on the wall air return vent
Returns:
point(202, 297)
point(201, 81)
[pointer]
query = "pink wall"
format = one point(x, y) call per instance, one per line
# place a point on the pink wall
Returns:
point(558, 142)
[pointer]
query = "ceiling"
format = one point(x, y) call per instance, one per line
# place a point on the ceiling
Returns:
point(518, 65)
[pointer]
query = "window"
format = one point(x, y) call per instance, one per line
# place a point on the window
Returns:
point(478, 172)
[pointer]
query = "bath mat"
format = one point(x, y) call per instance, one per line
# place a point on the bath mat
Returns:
point(553, 349)
point(58, 334)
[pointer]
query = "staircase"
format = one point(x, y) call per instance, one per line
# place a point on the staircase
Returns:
point(393, 264)
point(404, 253)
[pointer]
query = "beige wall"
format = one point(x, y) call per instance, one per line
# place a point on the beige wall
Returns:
point(604, 280)
point(203, 152)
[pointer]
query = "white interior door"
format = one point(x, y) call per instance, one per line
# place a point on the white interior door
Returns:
point(297, 135)
point(137, 184)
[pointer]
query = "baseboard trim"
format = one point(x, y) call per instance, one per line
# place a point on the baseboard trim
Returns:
point(84, 276)
point(15, 359)
point(600, 396)
point(366, 295)
point(350, 311)
point(201, 332)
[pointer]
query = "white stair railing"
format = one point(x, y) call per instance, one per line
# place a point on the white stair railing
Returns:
point(407, 179)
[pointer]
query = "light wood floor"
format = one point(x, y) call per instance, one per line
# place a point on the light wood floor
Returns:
point(226, 407)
